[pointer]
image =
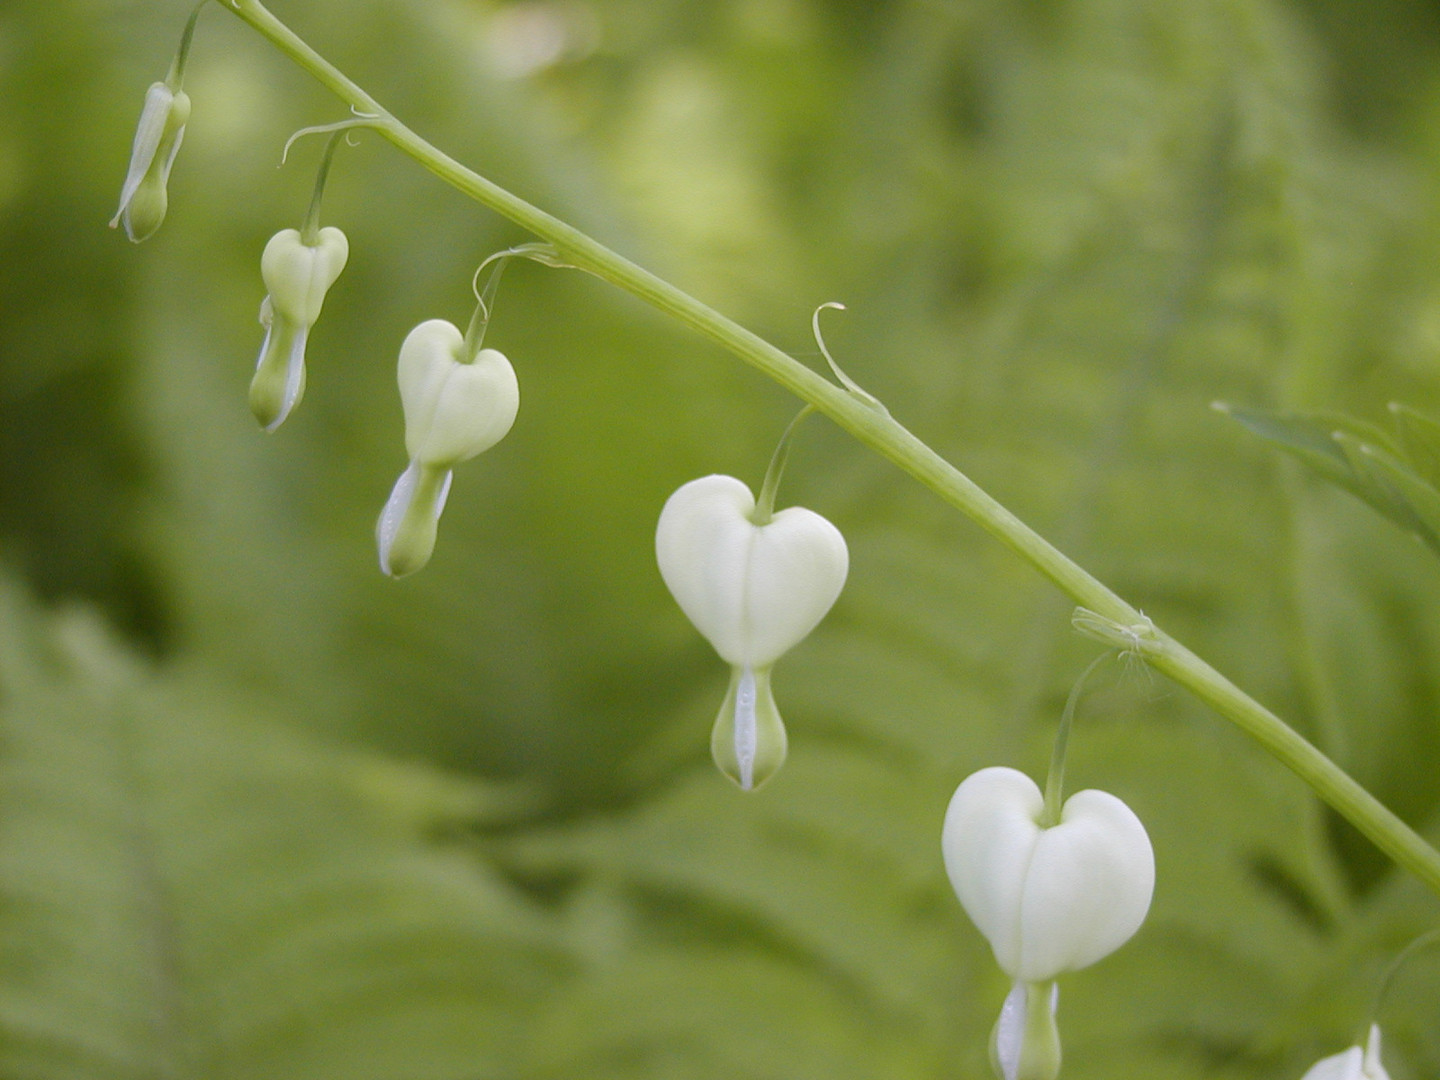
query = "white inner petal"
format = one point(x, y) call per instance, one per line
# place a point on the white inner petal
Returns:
point(1010, 1031)
point(745, 733)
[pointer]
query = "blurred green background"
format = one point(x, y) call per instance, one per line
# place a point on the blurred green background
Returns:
point(266, 813)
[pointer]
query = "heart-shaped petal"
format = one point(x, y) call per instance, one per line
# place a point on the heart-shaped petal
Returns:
point(453, 410)
point(1053, 899)
point(754, 591)
point(299, 275)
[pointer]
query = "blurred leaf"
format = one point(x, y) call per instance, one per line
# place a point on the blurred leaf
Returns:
point(1061, 229)
point(185, 891)
point(1419, 441)
point(1359, 458)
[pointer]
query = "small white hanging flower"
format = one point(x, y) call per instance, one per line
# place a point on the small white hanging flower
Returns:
point(1049, 900)
point(143, 198)
point(1352, 1064)
point(454, 410)
point(297, 275)
point(754, 590)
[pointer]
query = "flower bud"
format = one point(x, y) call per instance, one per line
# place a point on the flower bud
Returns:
point(143, 199)
point(1352, 1064)
point(454, 409)
point(1048, 900)
point(297, 276)
point(754, 592)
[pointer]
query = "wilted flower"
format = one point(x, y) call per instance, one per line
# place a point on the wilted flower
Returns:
point(454, 409)
point(143, 198)
point(754, 590)
point(297, 275)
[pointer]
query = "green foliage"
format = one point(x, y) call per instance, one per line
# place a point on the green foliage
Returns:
point(190, 891)
point(1395, 478)
point(295, 819)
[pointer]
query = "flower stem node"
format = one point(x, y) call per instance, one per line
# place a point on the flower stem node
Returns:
point(1049, 897)
point(297, 275)
point(456, 407)
point(143, 199)
point(1352, 1064)
point(754, 588)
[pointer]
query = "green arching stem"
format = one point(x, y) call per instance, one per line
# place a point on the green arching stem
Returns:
point(310, 231)
point(890, 440)
point(175, 78)
point(765, 504)
point(1055, 779)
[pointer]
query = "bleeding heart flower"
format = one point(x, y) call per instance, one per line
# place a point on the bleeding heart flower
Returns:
point(1048, 899)
point(297, 275)
point(754, 589)
point(454, 409)
point(1352, 1064)
point(143, 198)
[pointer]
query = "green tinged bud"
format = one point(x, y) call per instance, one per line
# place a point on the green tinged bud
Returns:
point(297, 275)
point(455, 408)
point(143, 199)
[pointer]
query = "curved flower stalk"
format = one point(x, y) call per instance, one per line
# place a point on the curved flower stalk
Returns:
point(754, 588)
point(454, 409)
point(1352, 1064)
point(298, 275)
point(1049, 896)
point(143, 198)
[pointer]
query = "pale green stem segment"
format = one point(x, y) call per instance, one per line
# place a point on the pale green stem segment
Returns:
point(892, 441)
point(310, 231)
point(175, 77)
point(1055, 780)
point(484, 305)
point(765, 504)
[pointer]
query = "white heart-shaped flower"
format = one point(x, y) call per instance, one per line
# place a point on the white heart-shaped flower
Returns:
point(298, 275)
point(754, 591)
point(453, 409)
point(1352, 1064)
point(1048, 900)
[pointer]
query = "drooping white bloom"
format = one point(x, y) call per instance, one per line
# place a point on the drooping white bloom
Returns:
point(297, 275)
point(143, 198)
point(754, 591)
point(454, 410)
point(1352, 1064)
point(1049, 900)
